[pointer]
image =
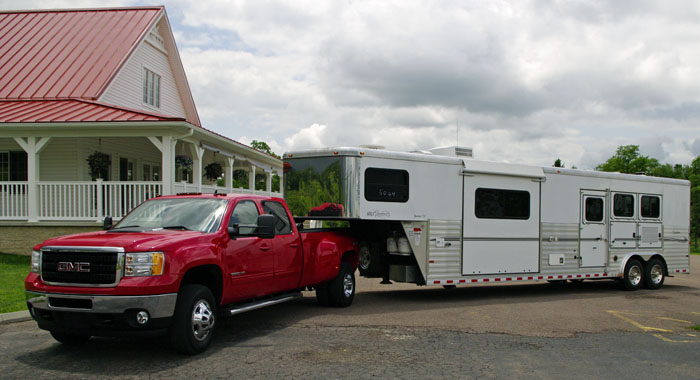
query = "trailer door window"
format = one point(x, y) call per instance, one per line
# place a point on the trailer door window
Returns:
point(502, 204)
point(386, 185)
point(594, 209)
point(623, 205)
point(650, 207)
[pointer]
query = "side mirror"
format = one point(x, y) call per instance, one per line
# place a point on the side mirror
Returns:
point(266, 226)
point(233, 231)
point(107, 223)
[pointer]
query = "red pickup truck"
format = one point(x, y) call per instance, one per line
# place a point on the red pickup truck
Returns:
point(176, 263)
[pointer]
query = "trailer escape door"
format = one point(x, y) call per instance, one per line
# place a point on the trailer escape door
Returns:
point(593, 229)
point(501, 224)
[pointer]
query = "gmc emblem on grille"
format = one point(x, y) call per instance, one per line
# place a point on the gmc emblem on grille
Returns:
point(67, 266)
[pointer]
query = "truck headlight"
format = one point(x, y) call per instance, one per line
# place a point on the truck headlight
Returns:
point(36, 262)
point(144, 264)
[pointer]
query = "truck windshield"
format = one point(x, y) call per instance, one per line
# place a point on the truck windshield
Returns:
point(313, 186)
point(195, 214)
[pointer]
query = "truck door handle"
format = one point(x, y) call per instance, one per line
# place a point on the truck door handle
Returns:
point(265, 247)
point(294, 245)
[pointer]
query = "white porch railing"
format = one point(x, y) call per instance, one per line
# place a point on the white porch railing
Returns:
point(92, 200)
point(184, 187)
point(13, 201)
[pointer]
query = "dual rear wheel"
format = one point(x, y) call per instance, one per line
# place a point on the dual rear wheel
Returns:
point(649, 275)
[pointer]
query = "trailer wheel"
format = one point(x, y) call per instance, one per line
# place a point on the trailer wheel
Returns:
point(634, 275)
point(194, 320)
point(341, 290)
point(371, 261)
point(654, 274)
point(365, 258)
point(70, 339)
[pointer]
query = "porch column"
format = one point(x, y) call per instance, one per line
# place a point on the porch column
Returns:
point(197, 154)
point(33, 147)
point(251, 177)
point(166, 145)
point(281, 175)
point(268, 180)
point(228, 177)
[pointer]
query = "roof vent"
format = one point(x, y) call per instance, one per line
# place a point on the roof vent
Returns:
point(453, 151)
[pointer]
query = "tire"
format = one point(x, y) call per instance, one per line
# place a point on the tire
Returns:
point(654, 274)
point(557, 282)
point(341, 290)
point(634, 275)
point(365, 258)
point(322, 295)
point(70, 339)
point(576, 281)
point(194, 322)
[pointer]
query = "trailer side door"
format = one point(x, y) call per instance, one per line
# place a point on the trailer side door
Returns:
point(593, 246)
point(501, 224)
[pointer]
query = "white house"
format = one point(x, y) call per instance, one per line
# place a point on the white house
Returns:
point(79, 81)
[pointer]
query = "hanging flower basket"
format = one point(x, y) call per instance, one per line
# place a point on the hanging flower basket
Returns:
point(183, 162)
point(213, 171)
point(98, 163)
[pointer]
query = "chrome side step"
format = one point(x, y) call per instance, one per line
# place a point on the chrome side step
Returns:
point(264, 303)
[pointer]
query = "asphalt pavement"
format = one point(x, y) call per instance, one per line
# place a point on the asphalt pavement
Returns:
point(528, 330)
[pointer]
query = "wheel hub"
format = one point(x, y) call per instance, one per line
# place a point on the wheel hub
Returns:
point(202, 320)
point(348, 285)
point(657, 274)
point(635, 275)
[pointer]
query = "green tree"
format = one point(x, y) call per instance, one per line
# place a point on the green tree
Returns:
point(628, 160)
point(558, 163)
point(694, 177)
point(263, 147)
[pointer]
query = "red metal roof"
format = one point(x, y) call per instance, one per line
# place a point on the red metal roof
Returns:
point(61, 54)
point(71, 110)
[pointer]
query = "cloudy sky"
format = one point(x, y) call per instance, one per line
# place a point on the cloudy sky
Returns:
point(518, 81)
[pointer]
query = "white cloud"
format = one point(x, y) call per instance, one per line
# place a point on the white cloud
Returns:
point(522, 81)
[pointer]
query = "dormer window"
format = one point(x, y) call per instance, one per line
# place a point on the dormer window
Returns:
point(151, 88)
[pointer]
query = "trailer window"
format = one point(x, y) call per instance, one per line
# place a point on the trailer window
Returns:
point(282, 225)
point(501, 204)
point(594, 209)
point(623, 205)
point(386, 185)
point(650, 207)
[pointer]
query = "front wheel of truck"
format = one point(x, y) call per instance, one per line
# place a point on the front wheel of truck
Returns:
point(341, 290)
point(69, 338)
point(194, 320)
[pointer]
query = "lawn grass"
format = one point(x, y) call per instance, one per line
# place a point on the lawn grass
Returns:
point(13, 270)
point(694, 251)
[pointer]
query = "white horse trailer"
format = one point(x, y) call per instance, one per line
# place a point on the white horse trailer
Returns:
point(438, 220)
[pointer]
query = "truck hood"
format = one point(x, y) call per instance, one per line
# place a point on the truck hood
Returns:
point(130, 241)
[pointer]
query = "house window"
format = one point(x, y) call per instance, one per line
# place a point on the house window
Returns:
point(151, 88)
point(501, 204)
point(13, 166)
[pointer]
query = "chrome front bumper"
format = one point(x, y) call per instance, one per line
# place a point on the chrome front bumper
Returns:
point(157, 306)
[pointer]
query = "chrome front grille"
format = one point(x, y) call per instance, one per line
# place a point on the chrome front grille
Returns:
point(82, 266)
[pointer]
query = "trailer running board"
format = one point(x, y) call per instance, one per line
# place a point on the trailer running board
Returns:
point(238, 309)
